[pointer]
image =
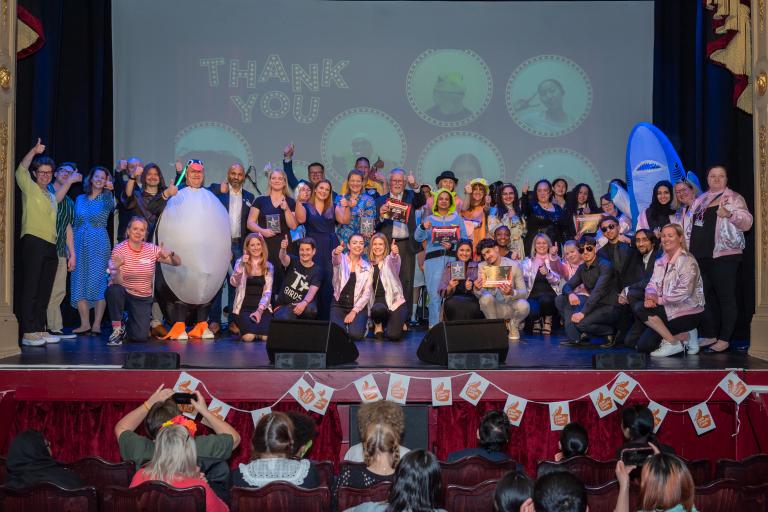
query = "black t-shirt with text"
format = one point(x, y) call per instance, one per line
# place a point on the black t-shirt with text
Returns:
point(297, 281)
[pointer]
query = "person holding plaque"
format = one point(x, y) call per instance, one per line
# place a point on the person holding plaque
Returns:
point(387, 305)
point(500, 288)
point(441, 230)
point(399, 228)
point(457, 286)
point(580, 207)
point(362, 209)
point(594, 314)
point(542, 274)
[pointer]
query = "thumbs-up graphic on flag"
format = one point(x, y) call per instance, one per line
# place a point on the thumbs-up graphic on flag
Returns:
point(558, 418)
point(398, 390)
point(702, 420)
point(513, 413)
point(620, 390)
point(473, 390)
point(737, 389)
point(370, 392)
point(306, 395)
point(605, 403)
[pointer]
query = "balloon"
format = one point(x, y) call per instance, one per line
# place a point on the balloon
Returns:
point(195, 225)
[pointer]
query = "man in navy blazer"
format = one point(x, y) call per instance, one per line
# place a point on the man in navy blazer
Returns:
point(402, 232)
point(238, 203)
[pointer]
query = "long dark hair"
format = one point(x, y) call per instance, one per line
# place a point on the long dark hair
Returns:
point(512, 491)
point(89, 178)
point(417, 483)
point(151, 165)
point(638, 419)
point(572, 202)
point(657, 214)
point(501, 208)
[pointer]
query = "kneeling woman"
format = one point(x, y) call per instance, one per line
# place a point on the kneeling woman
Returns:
point(674, 299)
point(252, 279)
point(542, 273)
point(388, 306)
point(352, 278)
point(459, 301)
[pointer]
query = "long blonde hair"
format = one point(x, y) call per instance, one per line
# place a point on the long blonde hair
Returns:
point(378, 236)
point(264, 263)
point(175, 455)
point(286, 189)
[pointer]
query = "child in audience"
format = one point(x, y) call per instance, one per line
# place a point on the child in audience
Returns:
point(514, 493)
point(175, 462)
point(493, 436)
point(383, 412)
point(381, 453)
point(29, 462)
point(304, 433)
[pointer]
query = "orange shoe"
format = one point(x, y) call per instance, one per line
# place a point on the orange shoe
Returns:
point(177, 332)
point(198, 330)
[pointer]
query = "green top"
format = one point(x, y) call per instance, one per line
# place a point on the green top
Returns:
point(678, 508)
point(38, 217)
point(65, 215)
point(139, 449)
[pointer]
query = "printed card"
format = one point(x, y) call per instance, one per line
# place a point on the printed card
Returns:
point(441, 391)
point(398, 211)
point(303, 393)
point(559, 415)
point(397, 389)
point(368, 389)
point(186, 384)
point(734, 387)
point(514, 408)
point(622, 387)
point(474, 389)
point(445, 234)
point(601, 399)
point(258, 414)
point(218, 408)
point(701, 418)
point(323, 395)
point(659, 413)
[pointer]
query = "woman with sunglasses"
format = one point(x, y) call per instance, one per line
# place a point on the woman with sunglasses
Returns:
point(459, 300)
point(720, 218)
point(674, 299)
point(542, 272)
point(661, 211)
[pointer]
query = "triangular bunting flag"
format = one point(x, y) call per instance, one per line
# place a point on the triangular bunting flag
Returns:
point(258, 414)
point(303, 393)
point(659, 413)
point(397, 389)
point(441, 391)
point(323, 395)
point(701, 418)
point(559, 415)
point(514, 408)
point(603, 402)
point(622, 387)
point(474, 389)
point(368, 389)
point(734, 387)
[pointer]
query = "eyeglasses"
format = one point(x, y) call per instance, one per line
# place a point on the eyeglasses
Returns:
point(607, 228)
point(588, 248)
point(44, 173)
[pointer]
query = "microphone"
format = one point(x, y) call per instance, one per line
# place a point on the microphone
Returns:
point(251, 179)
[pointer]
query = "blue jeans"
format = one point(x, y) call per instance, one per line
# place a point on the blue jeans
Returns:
point(433, 273)
point(215, 314)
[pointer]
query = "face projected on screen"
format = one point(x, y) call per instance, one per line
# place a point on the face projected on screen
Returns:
point(448, 96)
point(361, 146)
point(466, 167)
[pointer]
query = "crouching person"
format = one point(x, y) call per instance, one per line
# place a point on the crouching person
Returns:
point(132, 272)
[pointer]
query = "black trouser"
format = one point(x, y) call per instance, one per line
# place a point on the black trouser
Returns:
point(462, 307)
point(285, 312)
point(598, 322)
point(248, 325)
point(357, 328)
point(40, 263)
point(541, 305)
point(139, 311)
point(392, 320)
point(650, 339)
point(720, 276)
point(407, 270)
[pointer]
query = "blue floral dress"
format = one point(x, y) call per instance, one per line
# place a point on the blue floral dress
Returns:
point(365, 208)
point(92, 249)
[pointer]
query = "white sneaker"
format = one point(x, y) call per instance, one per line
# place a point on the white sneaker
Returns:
point(49, 338)
point(667, 349)
point(32, 339)
point(208, 334)
point(514, 332)
point(693, 342)
point(117, 337)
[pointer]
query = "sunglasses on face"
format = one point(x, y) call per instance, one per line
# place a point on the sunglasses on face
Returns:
point(588, 248)
point(607, 228)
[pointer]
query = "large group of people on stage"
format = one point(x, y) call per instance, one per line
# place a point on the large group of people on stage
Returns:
point(361, 257)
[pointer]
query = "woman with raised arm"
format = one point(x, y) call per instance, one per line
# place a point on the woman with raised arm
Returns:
point(352, 277)
point(252, 277)
point(147, 199)
point(320, 217)
point(387, 307)
point(362, 209)
point(88, 281)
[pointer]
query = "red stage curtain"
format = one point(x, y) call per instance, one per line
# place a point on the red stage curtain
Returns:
point(77, 429)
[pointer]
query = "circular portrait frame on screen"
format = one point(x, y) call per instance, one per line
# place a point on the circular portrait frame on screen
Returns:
point(549, 95)
point(468, 154)
point(553, 163)
point(357, 132)
point(218, 145)
point(449, 88)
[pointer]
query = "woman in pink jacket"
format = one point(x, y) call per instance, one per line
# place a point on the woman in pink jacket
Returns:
point(352, 277)
point(674, 299)
point(719, 219)
point(387, 303)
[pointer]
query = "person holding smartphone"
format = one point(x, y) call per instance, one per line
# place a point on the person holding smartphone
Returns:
point(665, 485)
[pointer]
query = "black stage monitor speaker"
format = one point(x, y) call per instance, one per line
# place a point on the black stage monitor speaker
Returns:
point(466, 344)
point(309, 344)
point(620, 361)
point(152, 361)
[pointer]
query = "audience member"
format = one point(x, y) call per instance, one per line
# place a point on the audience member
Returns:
point(273, 447)
point(29, 462)
point(175, 461)
point(665, 485)
point(492, 436)
point(573, 442)
point(417, 486)
point(637, 425)
point(304, 433)
point(514, 493)
point(381, 453)
point(559, 491)
point(382, 412)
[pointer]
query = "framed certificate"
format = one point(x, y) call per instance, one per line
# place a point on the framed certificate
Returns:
point(495, 276)
point(441, 234)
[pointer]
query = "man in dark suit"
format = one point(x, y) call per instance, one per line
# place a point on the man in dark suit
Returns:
point(402, 232)
point(632, 296)
point(238, 202)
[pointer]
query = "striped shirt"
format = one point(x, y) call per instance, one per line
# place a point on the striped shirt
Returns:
point(138, 270)
point(65, 214)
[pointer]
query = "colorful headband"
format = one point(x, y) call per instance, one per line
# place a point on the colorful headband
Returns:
point(190, 425)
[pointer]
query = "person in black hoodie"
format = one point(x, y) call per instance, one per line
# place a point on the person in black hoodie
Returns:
point(29, 462)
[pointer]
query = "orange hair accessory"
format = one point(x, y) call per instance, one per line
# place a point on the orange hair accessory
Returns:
point(190, 425)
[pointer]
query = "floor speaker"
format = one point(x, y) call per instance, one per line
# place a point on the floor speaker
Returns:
point(465, 337)
point(309, 343)
point(152, 361)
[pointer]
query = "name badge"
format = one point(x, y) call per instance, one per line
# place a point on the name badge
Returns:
point(145, 261)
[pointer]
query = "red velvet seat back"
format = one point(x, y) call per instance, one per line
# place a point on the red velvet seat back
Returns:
point(152, 497)
point(750, 471)
point(602, 498)
point(471, 471)
point(350, 496)
point(470, 499)
point(590, 471)
point(700, 470)
point(324, 472)
point(99, 473)
point(48, 496)
point(755, 498)
point(719, 496)
point(279, 497)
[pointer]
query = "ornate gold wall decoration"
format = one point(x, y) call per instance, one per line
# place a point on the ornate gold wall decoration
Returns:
point(762, 138)
point(5, 78)
point(3, 173)
point(761, 14)
point(761, 81)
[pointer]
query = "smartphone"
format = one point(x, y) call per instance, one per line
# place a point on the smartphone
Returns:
point(183, 398)
point(635, 456)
